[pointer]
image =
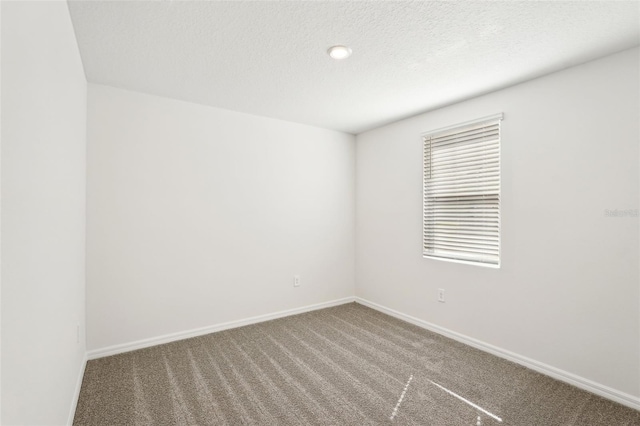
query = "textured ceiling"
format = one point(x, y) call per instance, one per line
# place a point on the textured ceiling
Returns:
point(269, 58)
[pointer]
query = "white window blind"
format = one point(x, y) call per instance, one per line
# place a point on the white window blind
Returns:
point(461, 204)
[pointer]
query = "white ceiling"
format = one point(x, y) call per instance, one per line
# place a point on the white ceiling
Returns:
point(269, 58)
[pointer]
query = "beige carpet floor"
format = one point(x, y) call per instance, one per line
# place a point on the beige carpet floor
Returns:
point(347, 365)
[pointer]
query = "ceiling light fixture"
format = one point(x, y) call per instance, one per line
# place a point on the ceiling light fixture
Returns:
point(339, 52)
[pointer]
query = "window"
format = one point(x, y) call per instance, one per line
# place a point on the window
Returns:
point(461, 204)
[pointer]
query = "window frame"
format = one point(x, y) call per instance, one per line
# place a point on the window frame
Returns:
point(453, 129)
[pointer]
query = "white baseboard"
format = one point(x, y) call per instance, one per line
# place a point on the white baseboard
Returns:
point(76, 393)
point(167, 338)
point(556, 373)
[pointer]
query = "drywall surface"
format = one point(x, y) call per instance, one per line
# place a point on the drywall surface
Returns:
point(43, 212)
point(0, 216)
point(567, 291)
point(199, 216)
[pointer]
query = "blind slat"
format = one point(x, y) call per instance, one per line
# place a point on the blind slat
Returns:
point(466, 238)
point(465, 157)
point(455, 150)
point(461, 134)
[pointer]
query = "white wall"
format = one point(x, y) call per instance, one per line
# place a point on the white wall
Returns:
point(567, 293)
point(43, 212)
point(0, 214)
point(198, 216)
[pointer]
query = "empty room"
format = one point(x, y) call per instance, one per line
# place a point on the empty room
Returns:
point(320, 213)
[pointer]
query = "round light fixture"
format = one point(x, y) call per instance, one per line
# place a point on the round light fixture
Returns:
point(339, 52)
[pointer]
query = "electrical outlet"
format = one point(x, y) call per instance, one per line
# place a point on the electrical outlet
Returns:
point(441, 295)
point(296, 280)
